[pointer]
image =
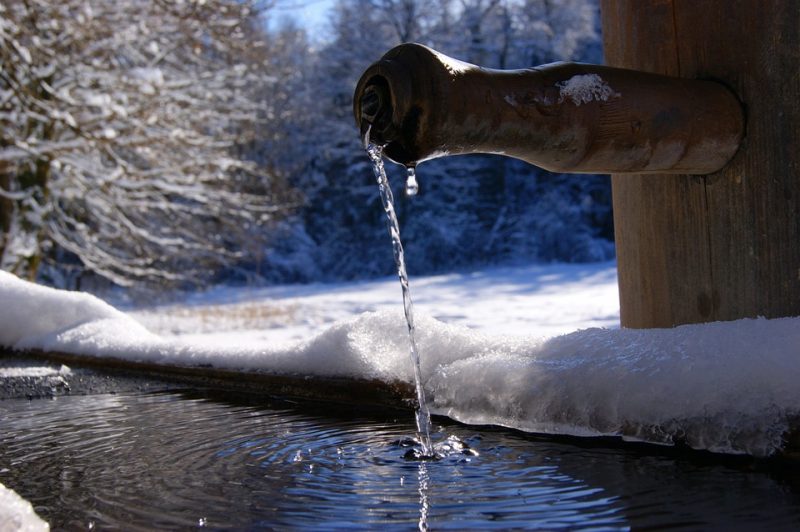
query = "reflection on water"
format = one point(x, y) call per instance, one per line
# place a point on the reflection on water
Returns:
point(166, 461)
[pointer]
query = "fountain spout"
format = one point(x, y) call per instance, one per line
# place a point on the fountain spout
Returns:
point(564, 117)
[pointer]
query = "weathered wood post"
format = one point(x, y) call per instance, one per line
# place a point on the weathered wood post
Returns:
point(724, 246)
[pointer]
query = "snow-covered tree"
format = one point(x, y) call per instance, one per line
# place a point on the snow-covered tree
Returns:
point(126, 134)
point(557, 30)
point(471, 210)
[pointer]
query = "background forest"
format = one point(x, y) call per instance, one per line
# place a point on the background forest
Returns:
point(176, 144)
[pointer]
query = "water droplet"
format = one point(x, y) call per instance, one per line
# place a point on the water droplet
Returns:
point(412, 187)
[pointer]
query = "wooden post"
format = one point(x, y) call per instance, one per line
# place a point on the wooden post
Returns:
point(724, 246)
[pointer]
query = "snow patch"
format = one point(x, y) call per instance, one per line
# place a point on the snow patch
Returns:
point(32, 311)
point(585, 88)
point(17, 514)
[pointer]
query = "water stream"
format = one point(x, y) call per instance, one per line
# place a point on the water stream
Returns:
point(422, 413)
point(412, 186)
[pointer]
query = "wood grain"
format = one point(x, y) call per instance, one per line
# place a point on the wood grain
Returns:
point(725, 246)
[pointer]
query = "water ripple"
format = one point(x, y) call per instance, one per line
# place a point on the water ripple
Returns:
point(171, 460)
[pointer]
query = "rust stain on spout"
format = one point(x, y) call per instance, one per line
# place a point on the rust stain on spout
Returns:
point(564, 117)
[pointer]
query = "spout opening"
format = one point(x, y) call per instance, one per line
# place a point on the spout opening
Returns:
point(393, 101)
point(376, 108)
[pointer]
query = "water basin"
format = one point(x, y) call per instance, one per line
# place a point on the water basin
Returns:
point(142, 460)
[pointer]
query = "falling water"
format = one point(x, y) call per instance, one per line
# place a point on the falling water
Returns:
point(422, 413)
point(412, 187)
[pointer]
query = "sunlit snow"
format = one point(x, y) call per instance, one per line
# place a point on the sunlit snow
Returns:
point(17, 514)
point(493, 347)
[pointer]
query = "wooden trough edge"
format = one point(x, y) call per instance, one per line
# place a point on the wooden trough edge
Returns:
point(344, 390)
point(341, 390)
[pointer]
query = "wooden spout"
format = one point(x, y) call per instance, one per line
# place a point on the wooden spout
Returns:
point(564, 117)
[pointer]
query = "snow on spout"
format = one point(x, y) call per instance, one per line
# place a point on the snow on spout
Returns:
point(585, 88)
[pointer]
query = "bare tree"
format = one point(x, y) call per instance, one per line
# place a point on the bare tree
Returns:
point(123, 135)
point(558, 30)
point(475, 13)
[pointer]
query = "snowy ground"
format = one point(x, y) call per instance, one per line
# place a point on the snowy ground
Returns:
point(537, 349)
point(543, 300)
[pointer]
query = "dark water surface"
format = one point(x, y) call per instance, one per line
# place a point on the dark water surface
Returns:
point(182, 460)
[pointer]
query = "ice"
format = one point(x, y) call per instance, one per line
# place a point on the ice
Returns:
point(727, 387)
point(17, 514)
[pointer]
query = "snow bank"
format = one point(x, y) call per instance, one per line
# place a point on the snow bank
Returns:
point(726, 387)
point(17, 514)
point(29, 310)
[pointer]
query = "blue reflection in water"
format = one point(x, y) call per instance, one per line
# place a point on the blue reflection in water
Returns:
point(165, 461)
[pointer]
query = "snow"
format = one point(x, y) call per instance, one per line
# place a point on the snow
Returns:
point(533, 348)
point(34, 371)
point(585, 88)
point(17, 514)
point(541, 300)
